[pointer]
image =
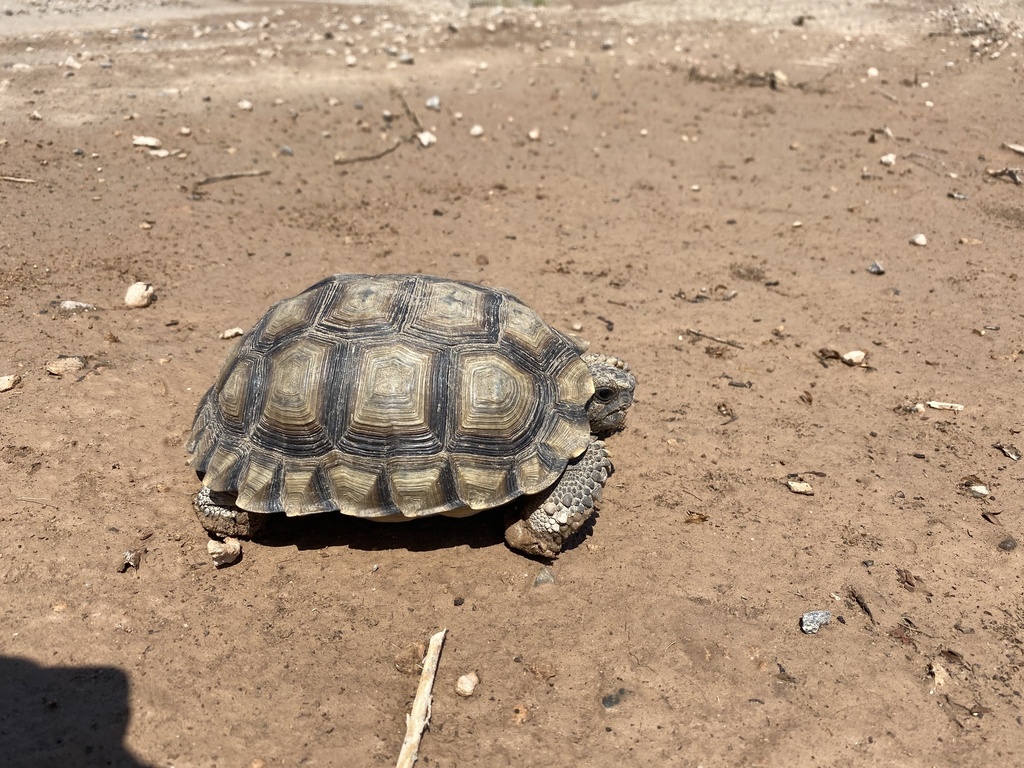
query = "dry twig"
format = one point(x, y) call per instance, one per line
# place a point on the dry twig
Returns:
point(398, 142)
point(17, 179)
point(699, 334)
point(418, 718)
point(229, 177)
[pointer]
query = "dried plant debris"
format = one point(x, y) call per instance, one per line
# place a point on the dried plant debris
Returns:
point(854, 359)
point(991, 516)
point(941, 406)
point(1016, 175)
point(1009, 451)
point(409, 660)
point(131, 558)
point(910, 582)
point(972, 486)
point(783, 675)
point(70, 307)
point(717, 293)
point(862, 603)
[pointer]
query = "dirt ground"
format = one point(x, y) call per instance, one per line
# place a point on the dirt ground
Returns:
point(703, 197)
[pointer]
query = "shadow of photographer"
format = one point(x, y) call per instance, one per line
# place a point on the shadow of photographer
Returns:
point(63, 716)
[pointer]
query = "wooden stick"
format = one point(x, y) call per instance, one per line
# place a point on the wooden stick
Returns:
point(17, 179)
point(417, 720)
point(699, 334)
point(229, 177)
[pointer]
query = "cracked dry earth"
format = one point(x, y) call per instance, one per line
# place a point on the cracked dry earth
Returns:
point(700, 193)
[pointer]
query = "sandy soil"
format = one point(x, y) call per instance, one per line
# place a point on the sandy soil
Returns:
point(691, 176)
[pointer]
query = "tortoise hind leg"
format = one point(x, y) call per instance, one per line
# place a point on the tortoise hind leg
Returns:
point(551, 518)
point(220, 517)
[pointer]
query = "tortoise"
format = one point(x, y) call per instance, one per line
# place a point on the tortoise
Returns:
point(395, 397)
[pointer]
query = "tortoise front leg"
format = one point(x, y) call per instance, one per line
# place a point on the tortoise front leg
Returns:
point(550, 518)
point(219, 515)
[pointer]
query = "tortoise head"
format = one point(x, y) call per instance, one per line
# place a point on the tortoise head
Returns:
point(613, 393)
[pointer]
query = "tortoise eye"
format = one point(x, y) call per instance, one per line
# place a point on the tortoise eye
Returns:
point(604, 394)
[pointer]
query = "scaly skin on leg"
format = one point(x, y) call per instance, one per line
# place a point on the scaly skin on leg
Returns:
point(549, 519)
point(219, 515)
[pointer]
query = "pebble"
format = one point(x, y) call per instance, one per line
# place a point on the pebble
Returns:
point(224, 553)
point(426, 138)
point(351, 61)
point(476, 131)
point(544, 576)
point(872, 72)
point(812, 621)
point(185, 130)
point(1008, 544)
point(139, 295)
point(69, 307)
point(888, 160)
point(9, 382)
point(919, 240)
point(799, 486)
point(65, 364)
point(938, 406)
point(978, 490)
point(466, 684)
point(434, 103)
point(146, 141)
point(876, 268)
point(231, 333)
point(406, 58)
point(534, 134)
point(856, 357)
point(246, 105)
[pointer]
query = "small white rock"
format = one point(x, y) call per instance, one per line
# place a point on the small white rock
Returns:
point(940, 406)
point(231, 333)
point(351, 61)
point(798, 486)
point(65, 364)
point(9, 382)
point(245, 104)
point(426, 138)
point(185, 130)
point(434, 103)
point(888, 160)
point(70, 307)
point(872, 72)
point(919, 239)
point(466, 684)
point(476, 131)
point(146, 141)
point(223, 553)
point(854, 358)
point(978, 491)
point(159, 153)
point(534, 134)
point(139, 295)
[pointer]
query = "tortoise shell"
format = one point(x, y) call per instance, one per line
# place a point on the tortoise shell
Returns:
point(393, 396)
